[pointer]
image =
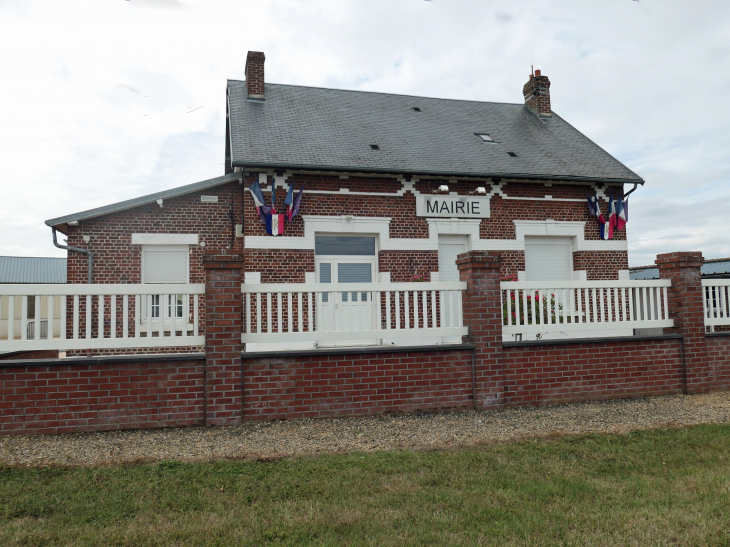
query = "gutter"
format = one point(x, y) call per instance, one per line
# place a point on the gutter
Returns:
point(77, 250)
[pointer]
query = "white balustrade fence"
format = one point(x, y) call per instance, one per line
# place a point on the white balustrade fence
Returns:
point(580, 306)
point(329, 312)
point(716, 302)
point(64, 317)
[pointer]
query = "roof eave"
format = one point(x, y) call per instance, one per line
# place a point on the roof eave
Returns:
point(61, 223)
point(359, 169)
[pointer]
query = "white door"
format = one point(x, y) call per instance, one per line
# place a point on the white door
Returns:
point(449, 248)
point(345, 311)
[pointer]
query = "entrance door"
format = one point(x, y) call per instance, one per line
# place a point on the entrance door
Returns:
point(449, 248)
point(345, 311)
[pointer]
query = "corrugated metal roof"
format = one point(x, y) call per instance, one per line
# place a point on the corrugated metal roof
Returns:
point(309, 127)
point(714, 267)
point(32, 269)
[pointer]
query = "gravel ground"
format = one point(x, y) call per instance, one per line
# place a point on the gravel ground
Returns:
point(270, 440)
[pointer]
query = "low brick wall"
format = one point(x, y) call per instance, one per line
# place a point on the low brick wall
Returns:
point(565, 371)
point(718, 351)
point(96, 394)
point(343, 383)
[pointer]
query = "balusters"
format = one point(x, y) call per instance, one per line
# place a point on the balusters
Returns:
point(11, 317)
point(125, 316)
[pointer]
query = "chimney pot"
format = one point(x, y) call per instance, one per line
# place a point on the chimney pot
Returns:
point(537, 94)
point(255, 74)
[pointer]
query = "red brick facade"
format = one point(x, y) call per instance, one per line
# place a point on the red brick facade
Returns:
point(116, 260)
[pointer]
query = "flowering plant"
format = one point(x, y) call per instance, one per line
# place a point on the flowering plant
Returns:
point(544, 307)
point(418, 278)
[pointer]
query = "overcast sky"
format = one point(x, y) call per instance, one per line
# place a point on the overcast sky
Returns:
point(106, 100)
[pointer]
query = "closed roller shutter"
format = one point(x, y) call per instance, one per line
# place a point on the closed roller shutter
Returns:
point(168, 265)
point(548, 259)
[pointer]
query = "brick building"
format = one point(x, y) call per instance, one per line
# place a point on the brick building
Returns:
point(394, 187)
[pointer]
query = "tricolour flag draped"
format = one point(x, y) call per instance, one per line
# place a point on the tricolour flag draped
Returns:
point(297, 204)
point(288, 201)
point(606, 228)
point(611, 212)
point(275, 224)
point(593, 208)
point(258, 199)
point(620, 213)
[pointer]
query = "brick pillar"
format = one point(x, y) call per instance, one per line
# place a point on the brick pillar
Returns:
point(483, 316)
point(223, 328)
point(685, 307)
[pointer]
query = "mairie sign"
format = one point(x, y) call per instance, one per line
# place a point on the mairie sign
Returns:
point(446, 206)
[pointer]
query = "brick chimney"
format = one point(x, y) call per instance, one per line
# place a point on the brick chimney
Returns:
point(255, 74)
point(537, 94)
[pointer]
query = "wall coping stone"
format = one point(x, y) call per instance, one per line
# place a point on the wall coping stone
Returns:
point(568, 341)
point(352, 351)
point(103, 359)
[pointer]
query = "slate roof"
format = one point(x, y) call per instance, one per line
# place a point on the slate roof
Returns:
point(32, 269)
point(60, 222)
point(715, 267)
point(308, 127)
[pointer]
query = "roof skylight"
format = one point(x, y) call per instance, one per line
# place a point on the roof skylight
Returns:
point(485, 137)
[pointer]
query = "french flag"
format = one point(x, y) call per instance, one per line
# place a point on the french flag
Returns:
point(606, 228)
point(611, 212)
point(275, 224)
point(621, 213)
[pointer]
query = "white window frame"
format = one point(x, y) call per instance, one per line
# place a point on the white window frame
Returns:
point(567, 241)
point(166, 306)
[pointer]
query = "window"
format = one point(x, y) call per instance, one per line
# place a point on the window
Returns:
point(166, 264)
point(485, 137)
point(344, 245)
point(548, 258)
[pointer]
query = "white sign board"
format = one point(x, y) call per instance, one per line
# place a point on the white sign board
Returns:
point(445, 206)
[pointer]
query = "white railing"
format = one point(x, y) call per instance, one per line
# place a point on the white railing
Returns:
point(716, 302)
point(351, 312)
point(65, 317)
point(582, 306)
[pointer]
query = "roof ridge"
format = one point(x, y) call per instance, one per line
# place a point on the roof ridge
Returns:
point(390, 94)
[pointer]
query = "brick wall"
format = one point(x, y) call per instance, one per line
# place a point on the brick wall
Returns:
point(66, 396)
point(567, 372)
point(718, 354)
point(318, 386)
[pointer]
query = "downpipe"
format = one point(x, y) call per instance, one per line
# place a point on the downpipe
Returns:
point(77, 250)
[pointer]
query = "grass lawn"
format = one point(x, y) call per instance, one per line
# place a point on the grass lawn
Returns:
point(659, 487)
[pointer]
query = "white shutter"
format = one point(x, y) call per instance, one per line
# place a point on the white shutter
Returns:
point(165, 265)
point(447, 260)
point(548, 259)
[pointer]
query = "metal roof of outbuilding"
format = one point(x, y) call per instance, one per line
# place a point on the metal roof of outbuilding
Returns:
point(315, 128)
point(32, 269)
point(714, 267)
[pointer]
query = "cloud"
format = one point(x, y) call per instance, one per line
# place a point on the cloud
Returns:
point(96, 112)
